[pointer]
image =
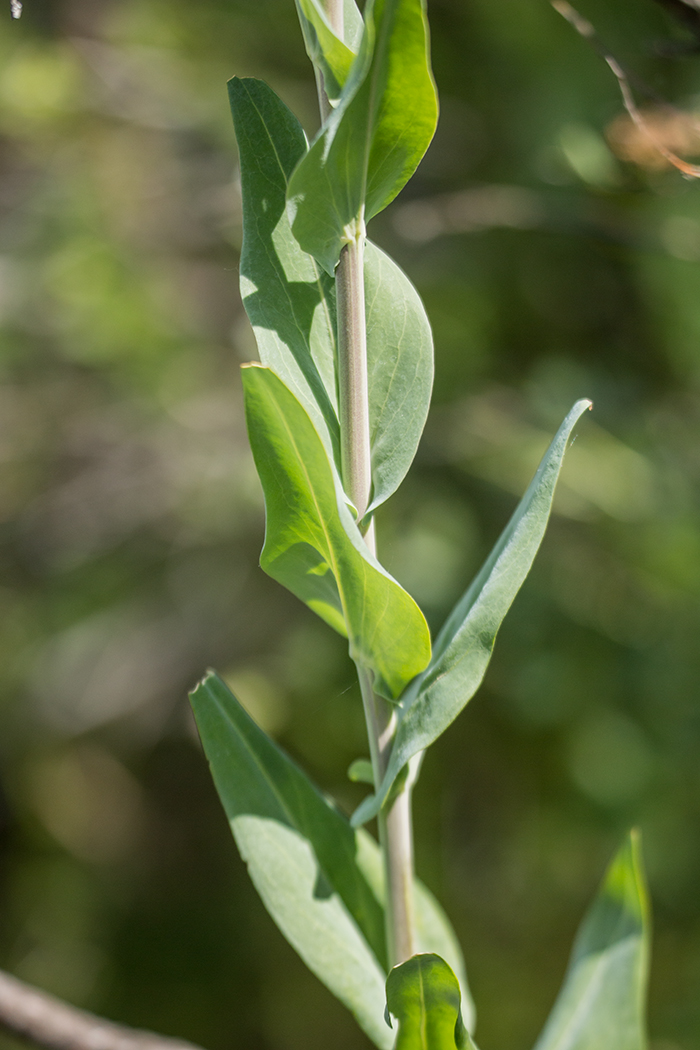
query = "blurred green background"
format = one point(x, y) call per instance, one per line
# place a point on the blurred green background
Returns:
point(131, 517)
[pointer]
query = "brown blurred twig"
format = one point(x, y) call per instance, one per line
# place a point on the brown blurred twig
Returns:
point(42, 1019)
point(586, 30)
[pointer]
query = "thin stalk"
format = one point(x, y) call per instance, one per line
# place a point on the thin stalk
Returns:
point(395, 827)
point(353, 399)
point(394, 822)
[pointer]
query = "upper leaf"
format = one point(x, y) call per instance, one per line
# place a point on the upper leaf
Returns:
point(371, 144)
point(291, 303)
point(331, 55)
point(313, 546)
point(423, 995)
point(464, 646)
point(321, 881)
point(602, 1002)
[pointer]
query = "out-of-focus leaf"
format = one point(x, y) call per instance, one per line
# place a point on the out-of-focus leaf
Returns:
point(289, 300)
point(464, 646)
point(313, 546)
point(291, 303)
point(371, 144)
point(301, 856)
point(400, 367)
point(423, 995)
point(602, 1002)
point(328, 53)
point(321, 881)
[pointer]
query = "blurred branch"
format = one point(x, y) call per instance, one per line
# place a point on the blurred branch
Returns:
point(40, 1018)
point(586, 30)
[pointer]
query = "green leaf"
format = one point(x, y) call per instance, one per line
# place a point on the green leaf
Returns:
point(291, 305)
point(464, 646)
point(332, 56)
point(602, 1002)
point(321, 881)
point(301, 856)
point(313, 546)
point(371, 144)
point(423, 995)
point(290, 302)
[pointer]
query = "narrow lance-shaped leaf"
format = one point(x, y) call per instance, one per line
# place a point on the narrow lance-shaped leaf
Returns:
point(464, 646)
point(320, 880)
point(371, 144)
point(602, 1002)
point(291, 304)
point(313, 546)
point(423, 995)
point(331, 55)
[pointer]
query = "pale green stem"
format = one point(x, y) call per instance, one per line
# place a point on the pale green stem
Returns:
point(394, 822)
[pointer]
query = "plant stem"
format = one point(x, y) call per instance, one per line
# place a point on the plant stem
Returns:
point(353, 400)
point(395, 827)
point(394, 821)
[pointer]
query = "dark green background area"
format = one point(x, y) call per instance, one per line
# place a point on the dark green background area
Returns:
point(131, 517)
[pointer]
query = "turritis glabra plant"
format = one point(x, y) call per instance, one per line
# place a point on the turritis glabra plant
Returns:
point(335, 410)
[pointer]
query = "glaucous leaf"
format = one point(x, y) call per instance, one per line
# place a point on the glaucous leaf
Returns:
point(301, 856)
point(331, 55)
point(291, 303)
point(423, 995)
point(602, 1002)
point(373, 141)
point(463, 648)
point(321, 881)
point(313, 546)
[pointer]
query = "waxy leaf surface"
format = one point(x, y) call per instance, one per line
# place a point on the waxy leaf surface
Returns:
point(321, 881)
point(313, 546)
point(465, 644)
point(423, 995)
point(371, 144)
point(602, 1002)
point(291, 302)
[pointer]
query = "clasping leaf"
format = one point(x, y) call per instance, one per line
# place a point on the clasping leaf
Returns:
point(463, 648)
point(291, 302)
point(313, 546)
point(602, 1003)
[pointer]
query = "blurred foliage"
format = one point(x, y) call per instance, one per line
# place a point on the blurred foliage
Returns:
point(553, 267)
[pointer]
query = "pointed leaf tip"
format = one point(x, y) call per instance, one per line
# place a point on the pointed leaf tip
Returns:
point(463, 649)
point(603, 1000)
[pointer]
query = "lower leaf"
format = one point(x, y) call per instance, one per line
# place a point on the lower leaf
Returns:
point(321, 881)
